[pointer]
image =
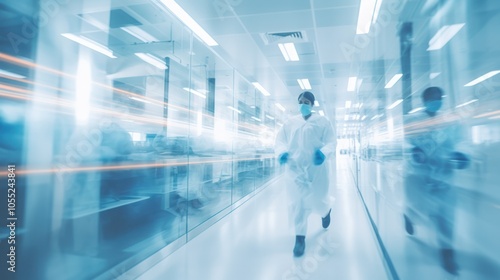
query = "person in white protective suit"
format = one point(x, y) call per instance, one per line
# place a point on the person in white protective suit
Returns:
point(432, 159)
point(305, 143)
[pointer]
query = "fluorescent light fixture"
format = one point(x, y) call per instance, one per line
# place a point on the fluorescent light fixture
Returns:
point(292, 52)
point(280, 107)
point(189, 22)
point(289, 52)
point(365, 16)
point(270, 117)
point(139, 34)
point(416, 110)
point(151, 59)
point(443, 36)
point(257, 119)
point(376, 117)
point(10, 74)
point(466, 103)
point(234, 109)
point(394, 80)
point(280, 124)
point(433, 75)
point(89, 44)
point(321, 112)
point(140, 99)
point(377, 10)
point(316, 103)
point(351, 85)
point(363, 118)
point(195, 92)
point(482, 78)
point(396, 103)
point(283, 52)
point(304, 84)
point(261, 89)
point(348, 104)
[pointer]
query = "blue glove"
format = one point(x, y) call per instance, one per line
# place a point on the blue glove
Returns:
point(319, 157)
point(283, 158)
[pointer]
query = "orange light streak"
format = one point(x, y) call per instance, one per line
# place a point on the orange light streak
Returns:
point(28, 64)
point(125, 167)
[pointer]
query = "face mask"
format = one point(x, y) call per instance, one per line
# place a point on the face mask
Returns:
point(304, 109)
point(433, 106)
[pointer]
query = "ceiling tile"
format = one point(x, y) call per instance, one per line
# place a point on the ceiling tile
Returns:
point(321, 4)
point(336, 17)
point(222, 26)
point(289, 21)
point(265, 6)
point(149, 12)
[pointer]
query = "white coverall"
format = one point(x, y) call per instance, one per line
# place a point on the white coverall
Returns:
point(307, 184)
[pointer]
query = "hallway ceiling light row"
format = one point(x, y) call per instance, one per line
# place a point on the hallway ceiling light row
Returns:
point(368, 14)
point(189, 22)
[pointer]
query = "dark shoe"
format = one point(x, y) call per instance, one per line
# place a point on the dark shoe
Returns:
point(326, 220)
point(300, 245)
point(448, 261)
point(408, 226)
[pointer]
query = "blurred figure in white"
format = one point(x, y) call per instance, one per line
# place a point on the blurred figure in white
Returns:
point(432, 159)
point(303, 143)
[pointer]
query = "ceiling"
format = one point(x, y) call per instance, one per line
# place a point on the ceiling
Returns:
point(328, 28)
point(240, 27)
point(329, 50)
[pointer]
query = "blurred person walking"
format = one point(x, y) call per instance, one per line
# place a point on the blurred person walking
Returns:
point(305, 143)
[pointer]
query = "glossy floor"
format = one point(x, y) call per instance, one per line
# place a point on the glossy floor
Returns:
point(255, 242)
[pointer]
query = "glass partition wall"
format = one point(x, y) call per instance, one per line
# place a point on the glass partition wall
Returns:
point(427, 142)
point(127, 134)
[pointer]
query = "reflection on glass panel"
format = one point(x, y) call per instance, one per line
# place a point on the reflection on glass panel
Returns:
point(211, 160)
point(243, 108)
point(124, 142)
point(430, 138)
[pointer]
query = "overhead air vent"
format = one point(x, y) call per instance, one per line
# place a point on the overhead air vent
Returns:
point(284, 37)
